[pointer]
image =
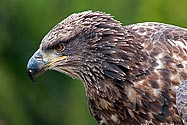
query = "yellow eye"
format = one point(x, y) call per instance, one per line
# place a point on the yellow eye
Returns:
point(59, 47)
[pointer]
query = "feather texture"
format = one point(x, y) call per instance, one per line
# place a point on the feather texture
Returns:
point(131, 73)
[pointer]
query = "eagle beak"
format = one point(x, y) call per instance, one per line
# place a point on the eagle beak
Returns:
point(35, 65)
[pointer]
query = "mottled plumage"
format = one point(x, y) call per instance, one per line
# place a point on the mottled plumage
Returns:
point(181, 101)
point(131, 73)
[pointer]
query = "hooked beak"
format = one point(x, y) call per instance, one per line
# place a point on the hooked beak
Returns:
point(36, 65)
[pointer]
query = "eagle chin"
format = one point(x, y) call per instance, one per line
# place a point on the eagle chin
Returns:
point(131, 73)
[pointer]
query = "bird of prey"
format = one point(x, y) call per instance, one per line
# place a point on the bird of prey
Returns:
point(131, 73)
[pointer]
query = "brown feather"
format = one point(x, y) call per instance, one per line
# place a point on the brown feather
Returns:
point(130, 73)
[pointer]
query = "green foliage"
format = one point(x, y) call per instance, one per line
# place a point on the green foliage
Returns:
point(48, 101)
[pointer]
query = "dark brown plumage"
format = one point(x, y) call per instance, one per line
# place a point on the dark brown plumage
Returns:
point(181, 101)
point(130, 73)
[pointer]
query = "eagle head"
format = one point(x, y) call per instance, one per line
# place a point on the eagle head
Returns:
point(78, 45)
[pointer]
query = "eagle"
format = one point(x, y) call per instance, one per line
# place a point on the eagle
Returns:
point(133, 74)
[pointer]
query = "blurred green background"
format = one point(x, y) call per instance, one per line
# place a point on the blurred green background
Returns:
point(56, 99)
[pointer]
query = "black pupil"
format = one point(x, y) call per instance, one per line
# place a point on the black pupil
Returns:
point(59, 47)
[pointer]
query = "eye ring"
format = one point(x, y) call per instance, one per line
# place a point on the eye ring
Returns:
point(59, 47)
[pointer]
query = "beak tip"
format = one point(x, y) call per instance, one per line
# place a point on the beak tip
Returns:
point(31, 74)
point(35, 65)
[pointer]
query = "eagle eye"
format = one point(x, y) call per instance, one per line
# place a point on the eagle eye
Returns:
point(59, 47)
